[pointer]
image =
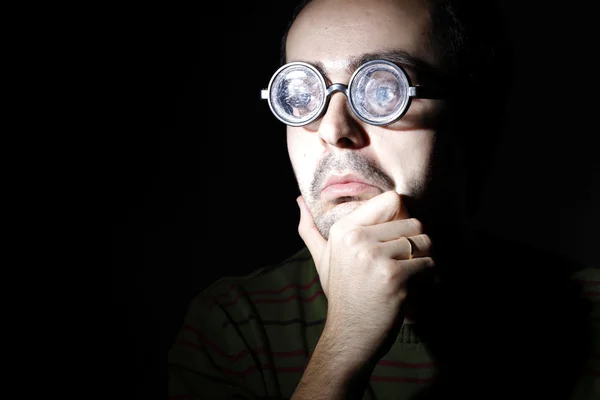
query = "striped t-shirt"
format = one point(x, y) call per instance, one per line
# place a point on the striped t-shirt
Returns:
point(251, 337)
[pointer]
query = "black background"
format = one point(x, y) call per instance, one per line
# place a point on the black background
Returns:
point(201, 185)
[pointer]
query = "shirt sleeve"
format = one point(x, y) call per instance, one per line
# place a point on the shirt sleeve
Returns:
point(207, 361)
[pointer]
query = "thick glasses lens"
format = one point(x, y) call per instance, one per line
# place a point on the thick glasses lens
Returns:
point(297, 94)
point(379, 92)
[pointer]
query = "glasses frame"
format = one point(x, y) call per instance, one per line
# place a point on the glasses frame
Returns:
point(410, 92)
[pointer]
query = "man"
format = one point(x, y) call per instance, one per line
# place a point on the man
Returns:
point(389, 107)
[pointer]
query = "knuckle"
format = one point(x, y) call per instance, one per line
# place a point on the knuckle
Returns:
point(368, 254)
point(354, 236)
point(301, 230)
point(395, 203)
point(425, 241)
point(392, 204)
point(394, 198)
point(335, 229)
point(388, 273)
point(398, 268)
point(402, 273)
point(417, 225)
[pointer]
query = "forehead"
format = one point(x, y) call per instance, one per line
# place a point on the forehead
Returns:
point(334, 33)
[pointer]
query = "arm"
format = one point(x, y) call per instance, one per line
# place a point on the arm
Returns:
point(331, 375)
point(364, 267)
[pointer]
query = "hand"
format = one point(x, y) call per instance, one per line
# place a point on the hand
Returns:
point(364, 268)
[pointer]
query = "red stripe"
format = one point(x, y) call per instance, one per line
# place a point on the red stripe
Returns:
point(187, 343)
point(590, 283)
point(188, 327)
point(375, 378)
point(293, 353)
point(235, 357)
point(288, 286)
point(207, 341)
point(401, 364)
point(591, 294)
point(285, 300)
point(232, 357)
point(252, 368)
point(300, 369)
point(277, 291)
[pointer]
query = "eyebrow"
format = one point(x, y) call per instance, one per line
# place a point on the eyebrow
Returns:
point(400, 57)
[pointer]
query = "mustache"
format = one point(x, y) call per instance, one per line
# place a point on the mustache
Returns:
point(350, 162)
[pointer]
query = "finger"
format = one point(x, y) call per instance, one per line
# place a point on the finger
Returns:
point(387, 206)
point(406, 248)
point(421, 245)
point(309, 233)
point(414, 266)
point(393, 230)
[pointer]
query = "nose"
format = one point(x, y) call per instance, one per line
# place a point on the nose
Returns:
point(339, 126)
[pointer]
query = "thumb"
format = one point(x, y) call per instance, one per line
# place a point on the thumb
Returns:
point(309, 233)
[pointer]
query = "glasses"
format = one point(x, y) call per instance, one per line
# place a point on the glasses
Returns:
point(379, 93)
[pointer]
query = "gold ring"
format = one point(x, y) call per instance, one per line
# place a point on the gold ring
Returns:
point(412, 248)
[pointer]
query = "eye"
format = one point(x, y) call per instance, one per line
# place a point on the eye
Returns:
point(301, 96)
point(298, 95)
point(381, 96)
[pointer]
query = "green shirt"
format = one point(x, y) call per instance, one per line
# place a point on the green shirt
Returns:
point(251, 337)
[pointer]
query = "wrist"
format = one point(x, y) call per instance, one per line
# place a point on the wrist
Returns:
point(329, 375)
point(352, 359)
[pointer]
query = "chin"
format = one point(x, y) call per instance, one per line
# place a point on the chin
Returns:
point(346, 208)
point(326, 220)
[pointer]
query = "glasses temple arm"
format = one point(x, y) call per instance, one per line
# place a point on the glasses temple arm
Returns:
point(421, 92)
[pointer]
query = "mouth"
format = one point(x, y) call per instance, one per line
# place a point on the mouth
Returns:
point(348, 186)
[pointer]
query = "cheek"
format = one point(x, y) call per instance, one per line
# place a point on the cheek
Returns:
point(300, 154)
point(295, 148)
point(407, 156)
point(422, 149)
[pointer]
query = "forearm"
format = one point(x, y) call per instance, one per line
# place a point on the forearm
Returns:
point(333, 373)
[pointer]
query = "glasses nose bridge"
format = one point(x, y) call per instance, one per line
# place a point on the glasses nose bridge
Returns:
point(337, 87)
point(333, 88)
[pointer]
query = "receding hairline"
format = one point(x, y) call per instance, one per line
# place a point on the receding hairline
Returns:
point(397, 55)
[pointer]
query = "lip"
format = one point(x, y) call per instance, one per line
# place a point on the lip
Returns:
point(343, 179)
point(346, 185)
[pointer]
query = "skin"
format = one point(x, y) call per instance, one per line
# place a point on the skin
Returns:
point(395, 157)
point(360, 234)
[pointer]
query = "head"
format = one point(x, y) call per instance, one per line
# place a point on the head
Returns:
point(431, 155)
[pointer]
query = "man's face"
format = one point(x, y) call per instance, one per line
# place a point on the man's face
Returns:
point(339, 160)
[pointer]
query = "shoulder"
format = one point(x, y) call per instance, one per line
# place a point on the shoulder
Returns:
point(294, 270)
point(266, 291)
point(244, 330)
